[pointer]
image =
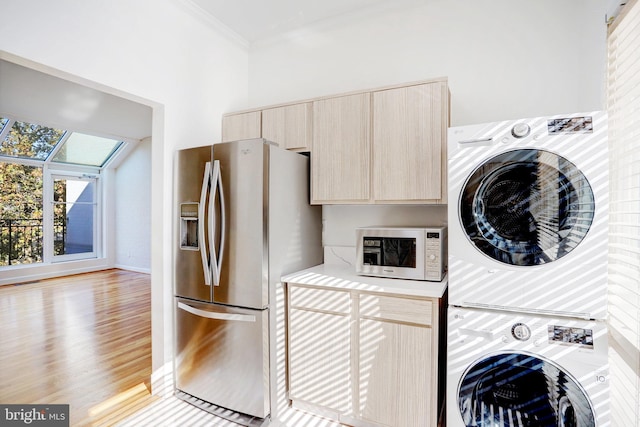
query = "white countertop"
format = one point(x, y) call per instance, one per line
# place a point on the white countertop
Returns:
point(345, 277)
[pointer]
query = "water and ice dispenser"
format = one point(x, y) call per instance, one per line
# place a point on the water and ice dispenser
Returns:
point(189, 226)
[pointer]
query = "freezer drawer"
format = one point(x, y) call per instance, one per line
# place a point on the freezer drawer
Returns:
point(222, 355)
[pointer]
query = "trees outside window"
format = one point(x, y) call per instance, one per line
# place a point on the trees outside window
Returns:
point(29, 141)
point(21, 192)
point(21, 231)
point(49, 192)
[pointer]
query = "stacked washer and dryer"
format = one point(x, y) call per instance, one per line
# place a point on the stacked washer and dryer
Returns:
point(528, 225)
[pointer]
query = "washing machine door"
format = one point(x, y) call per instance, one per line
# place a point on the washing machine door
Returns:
point(522, 390)
point(526, 207)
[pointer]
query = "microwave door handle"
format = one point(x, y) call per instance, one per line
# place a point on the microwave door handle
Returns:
point(201, 224)
point(216, 187)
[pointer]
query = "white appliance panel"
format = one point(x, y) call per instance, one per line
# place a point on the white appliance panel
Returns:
point(507, 369)
point(574, 284)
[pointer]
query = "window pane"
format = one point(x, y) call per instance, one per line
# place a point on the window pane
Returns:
point(86, 150)
point(20, 214)
point(73, 213)
point(30, 141)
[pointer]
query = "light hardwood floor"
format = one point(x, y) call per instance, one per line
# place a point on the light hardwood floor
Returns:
point(85, 340)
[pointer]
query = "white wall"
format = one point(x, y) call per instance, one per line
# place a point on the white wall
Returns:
point(340, 221)
point(132, 224)
point(504, 59)
point(156, 52)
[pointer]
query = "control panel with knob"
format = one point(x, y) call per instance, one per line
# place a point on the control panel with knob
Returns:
point(520, 331)
point(520, 130)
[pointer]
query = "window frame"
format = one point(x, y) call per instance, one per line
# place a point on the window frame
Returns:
point(37, 164)
point(115, 152)
point(50, 175)
point(52, 170)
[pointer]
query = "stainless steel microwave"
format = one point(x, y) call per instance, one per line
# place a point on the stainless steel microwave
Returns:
point(418, 253)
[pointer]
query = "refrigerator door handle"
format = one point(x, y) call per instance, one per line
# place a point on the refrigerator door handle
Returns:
point(216, 186)
point(201, 222)
point(216, 315)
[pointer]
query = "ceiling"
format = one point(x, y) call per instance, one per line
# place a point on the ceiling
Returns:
point(256, 20)
point(259, 20)
point(37, 97)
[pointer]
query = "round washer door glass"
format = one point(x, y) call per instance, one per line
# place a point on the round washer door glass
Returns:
point(514, 389)
point(526, 207)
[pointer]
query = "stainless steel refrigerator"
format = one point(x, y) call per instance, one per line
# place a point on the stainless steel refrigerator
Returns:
point(244, 219)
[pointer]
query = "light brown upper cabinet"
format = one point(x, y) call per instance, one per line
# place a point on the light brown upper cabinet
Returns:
point(386, 145)
point(409, 137)
point(289, 126)
point(341, 150)
point(241, 126)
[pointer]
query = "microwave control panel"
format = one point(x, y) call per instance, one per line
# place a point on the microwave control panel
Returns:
point(435, 255)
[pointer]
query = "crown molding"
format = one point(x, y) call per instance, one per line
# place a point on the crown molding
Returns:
point(208, 19)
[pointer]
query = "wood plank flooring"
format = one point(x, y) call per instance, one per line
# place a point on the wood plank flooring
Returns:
point(83, 340)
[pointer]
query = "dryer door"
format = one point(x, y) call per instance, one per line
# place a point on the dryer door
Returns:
point(515, 389)
point(526, 207)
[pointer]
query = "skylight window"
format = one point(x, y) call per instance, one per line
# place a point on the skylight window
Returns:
point(86, 150)
point(30, 141)
point(35, 142)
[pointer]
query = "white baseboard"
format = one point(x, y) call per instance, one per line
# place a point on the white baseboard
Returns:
point(32, 272)
point(132, 268)
point(162, 381)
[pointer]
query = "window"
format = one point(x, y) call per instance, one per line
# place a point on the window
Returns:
point(49, 192)
point(21, 228)
point(84, 149)
point(74, 217)
point(624, 214)
point(30, 141)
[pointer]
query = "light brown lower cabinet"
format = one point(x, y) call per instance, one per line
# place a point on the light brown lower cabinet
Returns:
point(364, 359)
point(319, 359)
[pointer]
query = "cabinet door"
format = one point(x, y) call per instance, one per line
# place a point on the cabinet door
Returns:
point(319, 355)
point(340, 163)
point(241, 126)
point(289, 126)
point(396, 380)
point(408, 141)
